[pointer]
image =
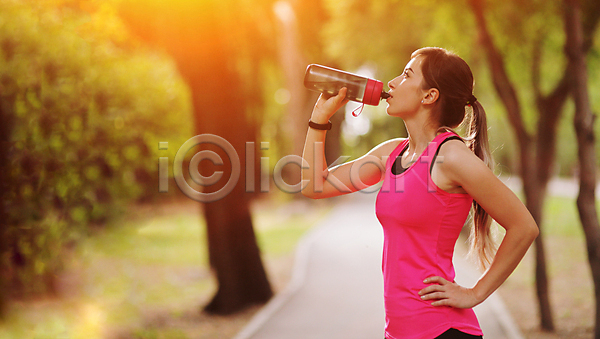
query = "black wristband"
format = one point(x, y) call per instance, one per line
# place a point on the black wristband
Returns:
point(322, 127)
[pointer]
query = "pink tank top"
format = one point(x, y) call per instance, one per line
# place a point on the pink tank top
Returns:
point(421, 224)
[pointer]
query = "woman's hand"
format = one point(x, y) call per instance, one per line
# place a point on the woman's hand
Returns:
point(327, 106)
point(448, 294)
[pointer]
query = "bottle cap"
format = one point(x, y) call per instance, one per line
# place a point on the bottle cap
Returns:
point(373, 92)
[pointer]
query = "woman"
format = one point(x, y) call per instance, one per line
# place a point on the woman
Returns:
point(431, 181)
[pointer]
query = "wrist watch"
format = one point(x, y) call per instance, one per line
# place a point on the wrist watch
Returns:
point(322, 127)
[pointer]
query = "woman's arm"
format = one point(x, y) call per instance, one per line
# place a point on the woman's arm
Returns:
point(322, 182)
point(465, 169)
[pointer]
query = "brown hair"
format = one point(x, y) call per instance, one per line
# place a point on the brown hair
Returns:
point(452, 77)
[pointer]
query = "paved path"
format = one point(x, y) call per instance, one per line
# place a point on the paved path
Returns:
point(336, 291)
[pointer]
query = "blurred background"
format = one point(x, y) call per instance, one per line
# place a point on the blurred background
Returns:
point(88, 89)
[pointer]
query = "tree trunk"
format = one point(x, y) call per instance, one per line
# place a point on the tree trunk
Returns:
point(195, 35)
point(293, 66)
point(235, 257)
point(584, 127)
point(233, 252)
point(550, 108)
point(535, 191)
point(6, 116)
point(299, 108)
point(533, 188)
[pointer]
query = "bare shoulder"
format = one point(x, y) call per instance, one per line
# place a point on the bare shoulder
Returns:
point(459, 163)
point(455, 150)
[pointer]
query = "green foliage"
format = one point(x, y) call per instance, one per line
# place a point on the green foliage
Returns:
point(386, 32)
point(88, 109)
point(382, 35)
point(191, 30)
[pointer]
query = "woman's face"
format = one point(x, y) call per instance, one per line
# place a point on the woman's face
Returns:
point(406, 91)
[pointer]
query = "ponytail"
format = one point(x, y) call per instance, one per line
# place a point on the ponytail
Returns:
point(481, 240)
point(451, 75)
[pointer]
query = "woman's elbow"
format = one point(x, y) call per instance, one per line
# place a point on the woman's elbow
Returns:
point(532, 231)
point(528, 229)
point(524, 232)
point(312, 194)
point(308, 189)
point(308, 194)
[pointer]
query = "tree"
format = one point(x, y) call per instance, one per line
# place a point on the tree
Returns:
point(6, 116)
point(219, 50)
point(299, 44)
point(312, 18)
point(584, 126)
point(537, 151)
point(533, 189)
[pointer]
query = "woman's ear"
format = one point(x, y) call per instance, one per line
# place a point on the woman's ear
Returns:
point(431, 96)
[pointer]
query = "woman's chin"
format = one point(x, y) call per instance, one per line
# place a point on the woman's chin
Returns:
point(387, 110)
point(391, 112)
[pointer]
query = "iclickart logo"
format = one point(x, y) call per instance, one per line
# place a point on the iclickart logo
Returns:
point(196, 192)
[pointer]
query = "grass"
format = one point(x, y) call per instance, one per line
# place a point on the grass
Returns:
point(571, 289)
point(279, 239)
point(152, 263)
point(145, 274)
point(561, 218)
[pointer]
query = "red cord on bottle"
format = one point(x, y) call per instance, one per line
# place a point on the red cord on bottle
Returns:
point(354, 113)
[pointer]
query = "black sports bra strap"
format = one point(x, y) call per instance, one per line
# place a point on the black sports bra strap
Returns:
point(453, 137)
point(397, 168)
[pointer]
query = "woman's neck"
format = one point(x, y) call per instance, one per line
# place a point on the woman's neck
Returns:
point(420, 133)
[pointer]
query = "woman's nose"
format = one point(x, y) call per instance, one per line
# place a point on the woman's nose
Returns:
point(391, 83)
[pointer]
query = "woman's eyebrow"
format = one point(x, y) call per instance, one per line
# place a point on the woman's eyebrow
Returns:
point(410, 69)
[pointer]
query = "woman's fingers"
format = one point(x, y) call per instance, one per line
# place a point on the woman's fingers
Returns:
point(446, 293)
point(436, 280)
point(431, 289)
point(436, 291)
point(434, 295)
point(340, 98)
point(328, 105)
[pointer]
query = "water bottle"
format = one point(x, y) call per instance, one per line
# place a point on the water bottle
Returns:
point(330, 80)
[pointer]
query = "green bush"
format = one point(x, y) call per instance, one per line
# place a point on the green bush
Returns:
point(87, 107)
